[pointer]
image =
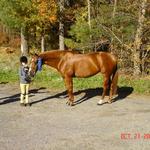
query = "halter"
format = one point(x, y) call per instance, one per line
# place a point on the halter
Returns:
point(39, 64)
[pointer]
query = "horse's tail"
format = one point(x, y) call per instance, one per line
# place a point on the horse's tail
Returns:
point(114, 81)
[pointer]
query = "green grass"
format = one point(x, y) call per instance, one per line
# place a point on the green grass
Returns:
point(48, 78)
point(8, 76)
point(51, 79)
point(139, 85)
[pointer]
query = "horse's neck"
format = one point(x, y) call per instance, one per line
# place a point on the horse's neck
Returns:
point(51, 58)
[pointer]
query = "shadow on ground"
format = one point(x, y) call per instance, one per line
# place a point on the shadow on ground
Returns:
point(16, 97)
point(123, 92)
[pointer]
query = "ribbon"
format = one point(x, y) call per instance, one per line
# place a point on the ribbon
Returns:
point(39, 64)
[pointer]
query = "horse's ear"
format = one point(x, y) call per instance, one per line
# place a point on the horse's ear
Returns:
point(31, 54)
point(36, 54)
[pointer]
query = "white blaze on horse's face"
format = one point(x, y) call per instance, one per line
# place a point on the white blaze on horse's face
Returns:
point(33, 66)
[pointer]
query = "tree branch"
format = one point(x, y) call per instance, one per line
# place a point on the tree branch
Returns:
point(112, 33)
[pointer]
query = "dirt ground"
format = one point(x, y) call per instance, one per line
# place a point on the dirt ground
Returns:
point(49, 124)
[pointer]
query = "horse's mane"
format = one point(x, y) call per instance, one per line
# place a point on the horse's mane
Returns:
point(56, 53)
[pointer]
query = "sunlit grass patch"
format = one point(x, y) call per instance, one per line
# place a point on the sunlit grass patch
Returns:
point(8, 76)
point(139, 85)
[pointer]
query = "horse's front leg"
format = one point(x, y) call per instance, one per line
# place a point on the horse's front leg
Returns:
point(69, 86)
point(105, 87)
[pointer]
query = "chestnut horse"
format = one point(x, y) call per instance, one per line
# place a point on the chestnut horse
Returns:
point(72, 64)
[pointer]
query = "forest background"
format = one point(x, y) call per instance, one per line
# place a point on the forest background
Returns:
point(121, 27)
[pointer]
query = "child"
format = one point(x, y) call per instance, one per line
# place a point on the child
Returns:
point(24, 81)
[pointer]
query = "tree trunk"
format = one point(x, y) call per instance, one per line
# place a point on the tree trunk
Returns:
point(138, 40)
point(24, 43)
point(113, 17)
point(42, 43)
point(89, 14)
point(61, 25)
point(114, 9)
point(61, 36)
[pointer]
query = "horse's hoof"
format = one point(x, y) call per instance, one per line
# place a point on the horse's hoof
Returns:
point(109, 101)
point(100, 102)
point(115, 96)
point(70, 103)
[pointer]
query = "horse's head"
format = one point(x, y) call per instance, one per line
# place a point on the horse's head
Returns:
point(35, 65)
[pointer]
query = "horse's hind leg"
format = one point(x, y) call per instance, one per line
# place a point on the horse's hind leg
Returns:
point(69, 86)
point(113, 88)
point(112, 93)
point(105, 87)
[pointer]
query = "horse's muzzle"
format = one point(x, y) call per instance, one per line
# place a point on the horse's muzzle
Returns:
point(31, 73)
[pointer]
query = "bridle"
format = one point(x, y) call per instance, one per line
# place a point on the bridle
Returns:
point(38, 64)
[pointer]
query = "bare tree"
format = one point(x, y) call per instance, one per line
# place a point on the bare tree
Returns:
point(138, 39)
point(113, 17)
point(42, 43)
point(24, 43)
point(61, 25)
point(43, 39)
point(114, 9)
point(89, 14)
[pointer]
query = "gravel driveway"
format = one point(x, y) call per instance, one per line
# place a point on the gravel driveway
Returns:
point(49, 124)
